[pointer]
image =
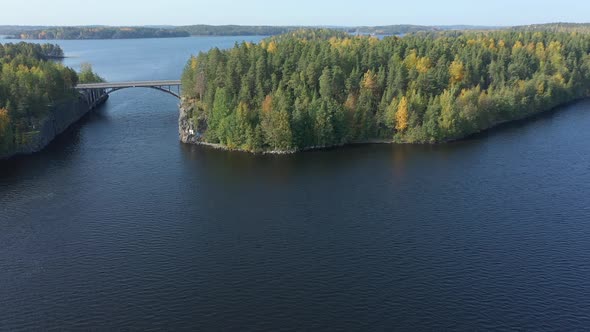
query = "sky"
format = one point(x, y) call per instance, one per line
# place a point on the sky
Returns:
point(288, 12)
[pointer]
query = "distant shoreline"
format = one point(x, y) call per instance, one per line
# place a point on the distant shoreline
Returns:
point(92, 33)
point(202, 30)
point(145, 32)
point(127, 38)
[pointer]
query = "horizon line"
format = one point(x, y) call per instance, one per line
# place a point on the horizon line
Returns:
point(286, 26)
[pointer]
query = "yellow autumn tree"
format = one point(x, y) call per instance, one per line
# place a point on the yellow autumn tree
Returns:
point(457, 72)
point(555, 55)
point(423, 65)
point(370, 81)
point(194, 63)
point(334, 41)
point(411, 60)
point(267, 104)
point(351, 102)
point(541, 88)
point(517, 46)
point(4, 128)
point(402, 115)
point(492, 44)
point(351, 105)
point(346, 42)
point(272, 47)
point(530, 47)
point(4, 119)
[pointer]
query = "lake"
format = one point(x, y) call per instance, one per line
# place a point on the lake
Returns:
point(119, 226)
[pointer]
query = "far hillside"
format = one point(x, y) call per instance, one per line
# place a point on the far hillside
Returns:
point(105, 32)
point(234, 30)
point(99, 33)
point(557, 27)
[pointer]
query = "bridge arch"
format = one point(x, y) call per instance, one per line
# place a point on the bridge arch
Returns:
point(169, 91)
point(94, 92)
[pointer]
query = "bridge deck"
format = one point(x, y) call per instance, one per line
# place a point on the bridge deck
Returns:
point(137, 84)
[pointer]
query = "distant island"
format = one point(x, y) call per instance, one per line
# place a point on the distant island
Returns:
point(234, 30)
point(240, 30)
point(103, 32)
point(98, 33)
point(320, 88)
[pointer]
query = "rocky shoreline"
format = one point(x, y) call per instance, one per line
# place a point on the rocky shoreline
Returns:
point(190, 135)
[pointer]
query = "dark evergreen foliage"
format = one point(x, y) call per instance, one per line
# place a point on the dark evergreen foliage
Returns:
point(30, 86)
point(315, 88)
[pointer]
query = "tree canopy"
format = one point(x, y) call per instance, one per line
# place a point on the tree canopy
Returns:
point(315, 88)
point(30, 86)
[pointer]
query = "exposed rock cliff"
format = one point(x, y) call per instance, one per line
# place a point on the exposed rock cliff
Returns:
point(187, 130)
point(54, 123)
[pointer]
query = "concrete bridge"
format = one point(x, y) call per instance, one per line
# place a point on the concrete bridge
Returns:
point(95, 93)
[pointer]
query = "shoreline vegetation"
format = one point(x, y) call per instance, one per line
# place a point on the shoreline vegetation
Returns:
point(324, 88)
point(37, 96)
point(492, 128)
point(135, 32)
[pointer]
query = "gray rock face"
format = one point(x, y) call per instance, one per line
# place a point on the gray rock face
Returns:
point(56, 122)
point(186, 127)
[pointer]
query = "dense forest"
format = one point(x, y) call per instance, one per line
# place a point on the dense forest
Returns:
point(318, 88)
point(100, 33)
point(30, 86)
point(557, 27)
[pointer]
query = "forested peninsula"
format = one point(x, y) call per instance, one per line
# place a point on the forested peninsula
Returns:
point(37, 99)
point(321, 88)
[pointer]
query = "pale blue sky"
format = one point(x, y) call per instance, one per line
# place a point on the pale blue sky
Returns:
point(288, 12)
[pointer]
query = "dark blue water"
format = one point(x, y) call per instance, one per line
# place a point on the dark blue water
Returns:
point(118, 226)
